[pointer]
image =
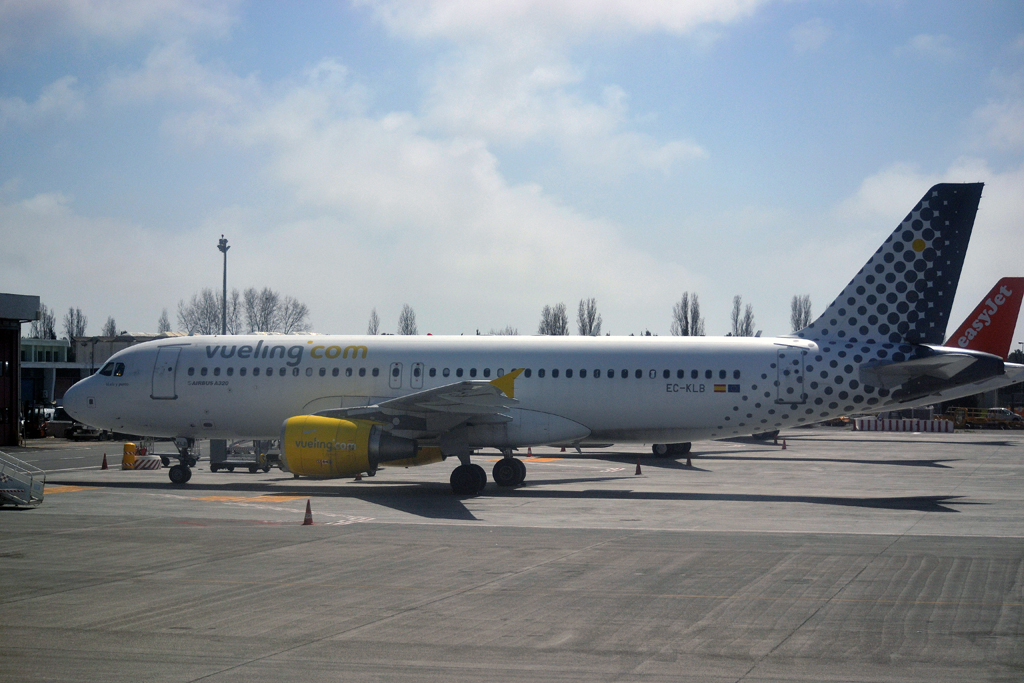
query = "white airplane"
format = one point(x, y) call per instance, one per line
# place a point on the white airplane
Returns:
point(346, 405)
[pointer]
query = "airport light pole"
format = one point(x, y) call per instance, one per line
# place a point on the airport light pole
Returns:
point(223, 246)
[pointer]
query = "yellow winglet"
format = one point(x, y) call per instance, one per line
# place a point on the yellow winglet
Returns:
point(507, 382)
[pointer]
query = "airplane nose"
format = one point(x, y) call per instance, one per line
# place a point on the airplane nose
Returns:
point(74, 401)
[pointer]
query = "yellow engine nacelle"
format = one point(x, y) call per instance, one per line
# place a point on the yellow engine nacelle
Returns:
point(326, 447)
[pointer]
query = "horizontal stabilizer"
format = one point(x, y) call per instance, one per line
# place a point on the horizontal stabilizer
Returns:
point(937, 370)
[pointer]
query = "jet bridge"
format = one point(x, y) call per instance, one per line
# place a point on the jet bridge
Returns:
point(21, 484)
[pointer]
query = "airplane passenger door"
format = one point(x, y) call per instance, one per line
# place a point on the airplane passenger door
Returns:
point(417, 376)
point(790, 368)
point(395, 377)
point(164, 373)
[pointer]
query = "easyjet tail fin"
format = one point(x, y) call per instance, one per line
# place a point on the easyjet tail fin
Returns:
point(990, 327)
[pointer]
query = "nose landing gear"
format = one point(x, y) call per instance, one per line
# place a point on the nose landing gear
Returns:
point(182, 472)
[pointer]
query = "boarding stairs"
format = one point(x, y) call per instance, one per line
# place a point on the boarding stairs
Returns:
point(21, 484)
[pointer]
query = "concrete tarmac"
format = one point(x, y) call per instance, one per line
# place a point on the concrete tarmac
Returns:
point(847, 557)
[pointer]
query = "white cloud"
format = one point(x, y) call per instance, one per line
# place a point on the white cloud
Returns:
point(526, 93)
point(811, 35)
point(938, 47)
point(460, 19)
point(1001, 119)
point(378, 211)
point(61, 99)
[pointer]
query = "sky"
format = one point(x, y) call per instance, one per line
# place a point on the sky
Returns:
point(479, 159)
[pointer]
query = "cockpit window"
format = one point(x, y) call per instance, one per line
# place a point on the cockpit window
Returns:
point(107, 370)
point(118, 369)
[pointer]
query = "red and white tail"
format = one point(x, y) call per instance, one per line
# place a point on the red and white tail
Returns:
point(990, 327)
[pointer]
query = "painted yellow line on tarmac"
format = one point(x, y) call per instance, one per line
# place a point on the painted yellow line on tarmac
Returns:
point(250, 499)
point(65, 489)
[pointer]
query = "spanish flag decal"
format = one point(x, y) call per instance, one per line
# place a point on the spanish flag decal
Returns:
point(719, 388)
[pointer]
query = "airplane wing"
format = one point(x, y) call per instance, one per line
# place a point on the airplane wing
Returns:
point(442, 408)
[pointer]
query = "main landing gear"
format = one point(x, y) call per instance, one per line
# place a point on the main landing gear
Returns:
point(182, 472)
point(468, 479)
point(668, 450)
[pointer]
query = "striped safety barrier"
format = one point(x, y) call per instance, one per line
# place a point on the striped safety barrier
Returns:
point(870, 424)
point(148, 462)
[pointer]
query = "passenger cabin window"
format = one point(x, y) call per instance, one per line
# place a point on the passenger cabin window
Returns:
point(376, 372)
point(241, 372)
point(554, 373)
point(625, 374)
point(348, 372)
point(416, 371)
point(693, 374)
point(583, 373)
point(216, 372)
point(255, 372)
point(458, 372)
point(735, 374)
point(191, 371)
point(433, 372)
point(721, 374)
point(362, 372)
point(487, 372)
point(527, 372)
point(446, 372)
point(707, 374)
point(540, 373)
point(638, 374)
point(666, 374)
point(107, 370)
point(472, 372)
point(203, 372)
point(680, 374)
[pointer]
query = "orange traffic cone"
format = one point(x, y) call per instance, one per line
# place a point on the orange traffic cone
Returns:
point(308, 521)
point(563, 449)
point(104, 465)
point(529, 452)
point(688, 463)
point(638, 467)
point(359, 476)
point(783, 444)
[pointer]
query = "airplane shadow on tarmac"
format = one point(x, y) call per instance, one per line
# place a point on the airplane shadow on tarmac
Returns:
point(673, 464)
point(435, 500)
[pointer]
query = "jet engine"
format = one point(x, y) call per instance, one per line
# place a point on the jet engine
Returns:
point(326, 447)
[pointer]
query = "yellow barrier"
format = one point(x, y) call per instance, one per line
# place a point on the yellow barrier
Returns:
point(128, 457)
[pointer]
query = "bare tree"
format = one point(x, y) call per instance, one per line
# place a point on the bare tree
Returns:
point(164, 323)
point(681, 316)
point(201, 314)
point(109, 327)
point(507, 330)
point(261, 309)
point(800, 316)
point(75, 323)
point(747, 326)
point(407, 320)
point(373, 327)
point(696, 320)
point(233, 311)
point(588, 320)
point(293, 316)
point(742, 323)
point(46, 326)
point(554, 320)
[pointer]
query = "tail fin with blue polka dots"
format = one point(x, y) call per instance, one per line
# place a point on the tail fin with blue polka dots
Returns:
point(904, 293)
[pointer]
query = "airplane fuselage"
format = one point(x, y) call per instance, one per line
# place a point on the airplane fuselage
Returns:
point(573, 389)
